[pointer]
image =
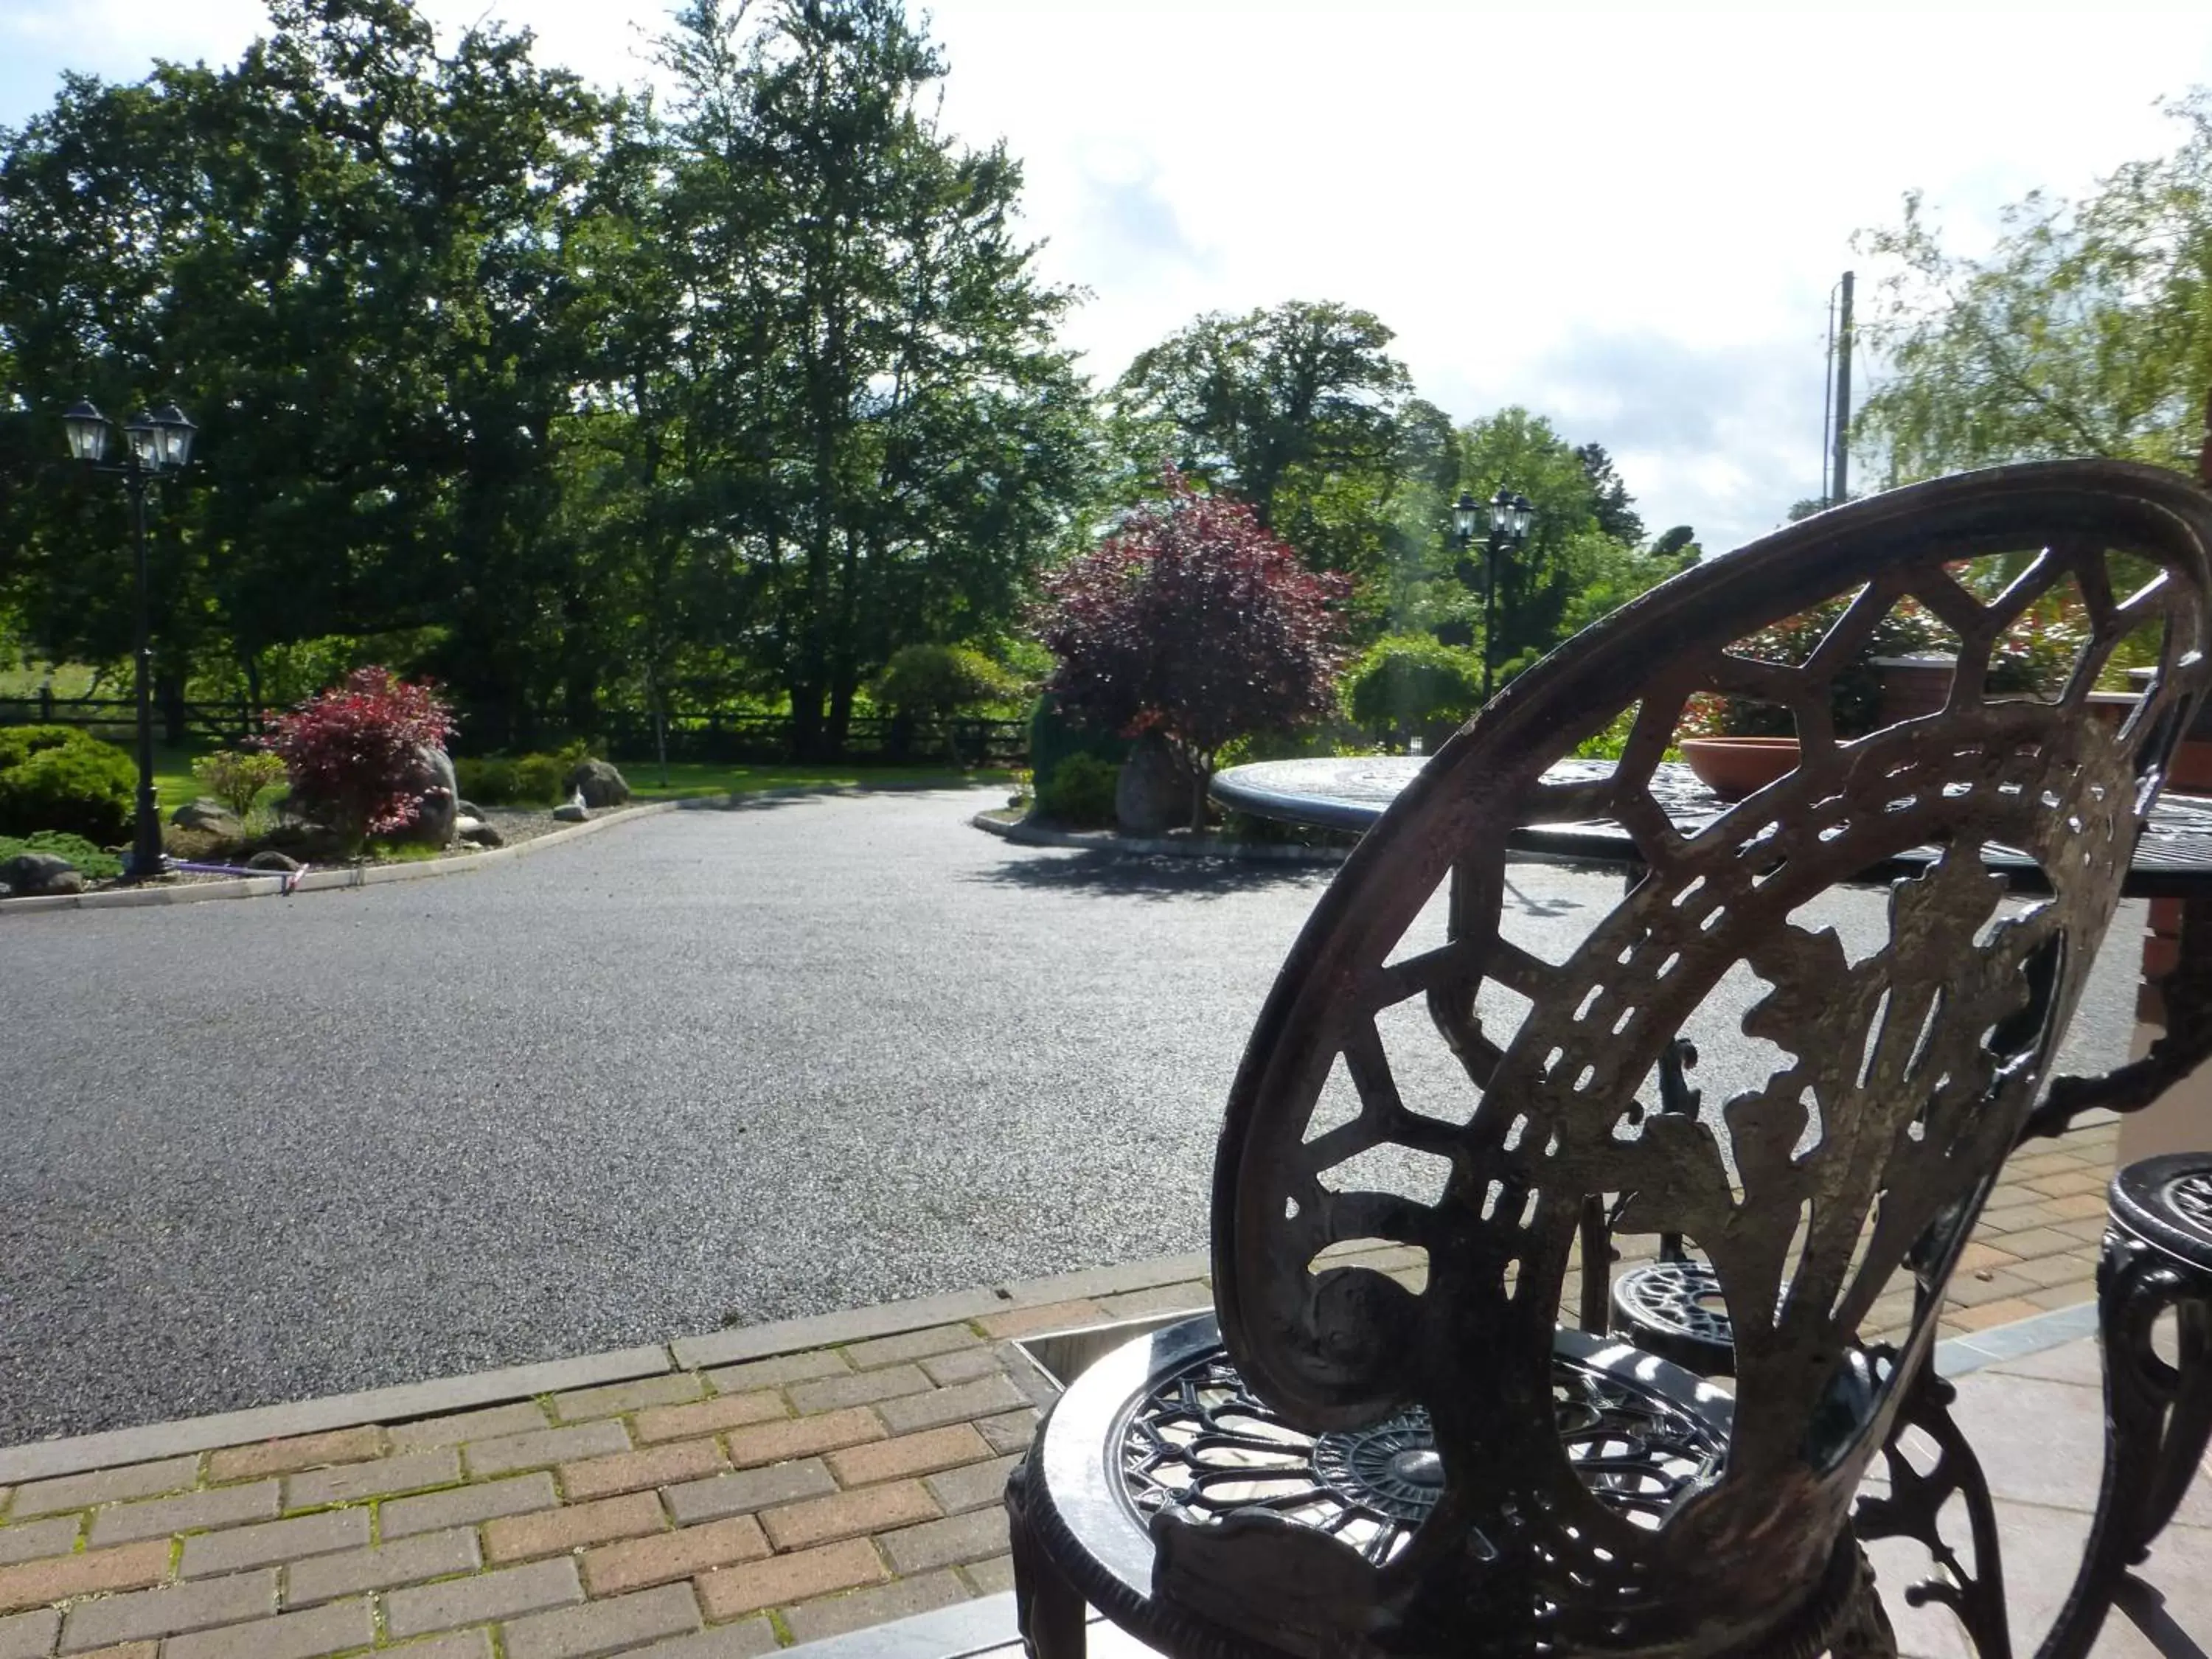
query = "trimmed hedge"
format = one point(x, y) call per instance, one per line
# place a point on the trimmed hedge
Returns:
point(55, 777)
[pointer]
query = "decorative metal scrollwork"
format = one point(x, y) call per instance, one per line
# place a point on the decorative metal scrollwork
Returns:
point(1202, 1443)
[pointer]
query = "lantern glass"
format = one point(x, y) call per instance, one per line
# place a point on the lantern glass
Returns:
point(1501, 513)
point(87, 431)
point(1523, 511)
point(145, 440)
point(176, 431)
point(1463, 516)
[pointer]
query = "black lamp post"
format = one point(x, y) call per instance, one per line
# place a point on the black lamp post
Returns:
point(158, 444)
point(1510, 515)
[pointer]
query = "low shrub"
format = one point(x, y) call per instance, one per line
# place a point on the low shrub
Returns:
point(518, 780)
point(53, 777)
point(1079, 792)
point(1412, 685)
point(96, 862)
point(238, 780)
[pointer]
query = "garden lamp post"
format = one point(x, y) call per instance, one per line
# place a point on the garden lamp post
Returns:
point(1509, 516)
point(157, 445)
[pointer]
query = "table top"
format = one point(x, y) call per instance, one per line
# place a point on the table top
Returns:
point(2174, 859)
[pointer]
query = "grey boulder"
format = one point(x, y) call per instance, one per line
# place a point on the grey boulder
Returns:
point(1153, 794)
point(210, 816)
point(40, 875)
point(477, 833)
point(599, 783)
point(269, 859)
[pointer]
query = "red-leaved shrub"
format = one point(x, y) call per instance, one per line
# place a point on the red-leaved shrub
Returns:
point(354, 754)
point(1194, 621)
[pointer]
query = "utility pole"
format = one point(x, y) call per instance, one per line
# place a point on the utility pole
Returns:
point(1838, 484)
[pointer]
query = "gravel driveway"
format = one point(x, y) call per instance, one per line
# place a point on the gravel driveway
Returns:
point(712, 1066)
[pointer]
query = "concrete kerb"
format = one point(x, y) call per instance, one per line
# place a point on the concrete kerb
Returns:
point(373, 875)
point(1025, 834)
point(403, 1401)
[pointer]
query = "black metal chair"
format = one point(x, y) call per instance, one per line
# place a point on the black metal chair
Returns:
point(2157, 1417)
point(1342, 1464)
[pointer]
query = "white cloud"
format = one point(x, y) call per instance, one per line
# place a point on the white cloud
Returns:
point(1626, 218)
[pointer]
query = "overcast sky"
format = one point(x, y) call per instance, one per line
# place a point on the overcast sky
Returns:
point(1628, 219)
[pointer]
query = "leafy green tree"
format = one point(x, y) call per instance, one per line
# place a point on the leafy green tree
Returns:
point(1409, 685)
point(2086, 331)
point(1279, 400)
point(1609, 498)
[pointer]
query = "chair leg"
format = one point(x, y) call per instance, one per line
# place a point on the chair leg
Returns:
point(1048, 1609)
point(2189, 1424)
point(2144, 1424)
point(1865, 1632)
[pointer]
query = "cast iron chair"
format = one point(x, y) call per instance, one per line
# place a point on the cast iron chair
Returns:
point(1341, 1467)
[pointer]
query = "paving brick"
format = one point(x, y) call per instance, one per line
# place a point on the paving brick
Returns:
point(77, 1492)
point(774, 1373)
point(460, 1645)
point(655, 1465)
point(398, 1517)
point(863, 1388)
point(307, 1451)
point(2047, 1271)
point(408, 1561)
point(600, 1628)
point(125, 1650)
point(2081, 1206)
point(1051, 1316)
point(1977, 1255)
point(849, 1513)
point(911, 1345)
point(748, 1638)
point(542, 1448)
point(862, 1608)
point(726, 1411)
point(503, 1594)
point(334, 1629)
point(1010, 1431)
point(613, 1568)
point(132, 1567)
point(1991, 1313)
point(1192, 1296)
point(275, 1541)
point(2071, 1181)
point(191, 1511)
point(965, 1366)
point(992, 1578)
point(802, 1437)
point(34, 1539)
point(615, 1398)
point(783, 1579)
point(968, 1400)
point(2056, 1296)
point(909, 1454)
point(170, 1611)
point(1991, 1284)
point(428, 1432)
point(29, 1635)
point(386, 1475)
point(975, 1536)
point(2030, 1241)
point(748, 1490)
point(520, 1537)
point(974, 1486)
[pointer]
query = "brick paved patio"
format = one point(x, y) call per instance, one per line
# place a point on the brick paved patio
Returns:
point(699, 1509)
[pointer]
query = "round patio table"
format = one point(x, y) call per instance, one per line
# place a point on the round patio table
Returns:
point(2174, 859)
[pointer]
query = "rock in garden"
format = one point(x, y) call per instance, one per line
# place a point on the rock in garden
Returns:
point(272, 859)
point(1153, 793)
point(599, 783)
point(465, 809)
point(209, 816)
point(40, 875)
point(437, 799)
point(477, 833)
point(573, 810)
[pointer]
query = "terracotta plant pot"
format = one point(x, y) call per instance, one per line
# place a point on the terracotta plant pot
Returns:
point(1733, 768)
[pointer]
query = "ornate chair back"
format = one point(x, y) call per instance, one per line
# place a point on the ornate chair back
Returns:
point(1902, 1080)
